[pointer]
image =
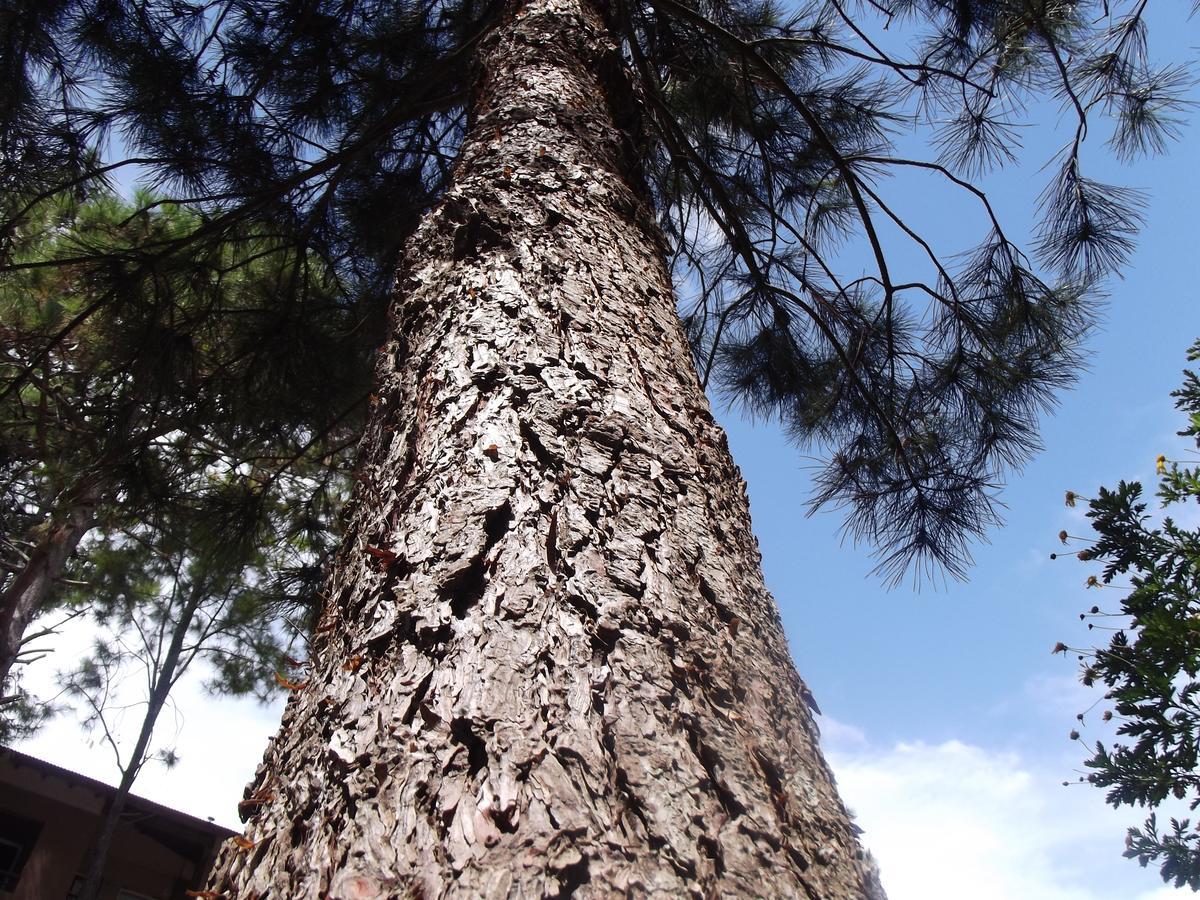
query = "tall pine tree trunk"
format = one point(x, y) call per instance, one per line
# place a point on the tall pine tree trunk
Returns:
point(549, 666)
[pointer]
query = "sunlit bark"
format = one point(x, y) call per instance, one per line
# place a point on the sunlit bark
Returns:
point(549, 666)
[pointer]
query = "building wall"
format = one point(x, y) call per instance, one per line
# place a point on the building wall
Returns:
point(69, 814)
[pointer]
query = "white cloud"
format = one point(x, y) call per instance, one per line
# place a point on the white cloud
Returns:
point(953, 820)
point(1164, 893)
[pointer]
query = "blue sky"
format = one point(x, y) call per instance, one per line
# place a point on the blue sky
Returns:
point(948, 709)
point(946, 716)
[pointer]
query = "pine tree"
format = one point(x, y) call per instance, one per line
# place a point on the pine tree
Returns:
point(164, 385)
point(204, 528)
point(547, 664)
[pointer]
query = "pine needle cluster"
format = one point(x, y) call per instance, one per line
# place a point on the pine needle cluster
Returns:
point(315, 134)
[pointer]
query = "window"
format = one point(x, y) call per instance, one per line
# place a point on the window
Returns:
point(17, 837)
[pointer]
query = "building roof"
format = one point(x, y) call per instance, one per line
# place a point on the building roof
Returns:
point(164, 820)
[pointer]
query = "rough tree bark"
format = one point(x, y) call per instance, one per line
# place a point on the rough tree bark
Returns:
point(548, 666)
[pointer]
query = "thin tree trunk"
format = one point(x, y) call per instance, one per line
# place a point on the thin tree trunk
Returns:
point(32, 587)
point(548, 666)
point(114, 805)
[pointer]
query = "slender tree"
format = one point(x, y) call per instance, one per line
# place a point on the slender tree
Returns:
point(166, 661)
point(546, 663)
point(193, 588)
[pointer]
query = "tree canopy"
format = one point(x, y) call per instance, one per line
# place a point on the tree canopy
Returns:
point(181, 412)
point(323, 128)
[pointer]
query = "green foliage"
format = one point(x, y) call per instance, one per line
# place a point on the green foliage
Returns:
point(23, 714)
point(171, 363)
point(231, 593)
point(180, 591)
point(763, 134)
point(216, 395)
point(1151, 665)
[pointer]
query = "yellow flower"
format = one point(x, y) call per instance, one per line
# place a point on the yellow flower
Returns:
point(1160, 464)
